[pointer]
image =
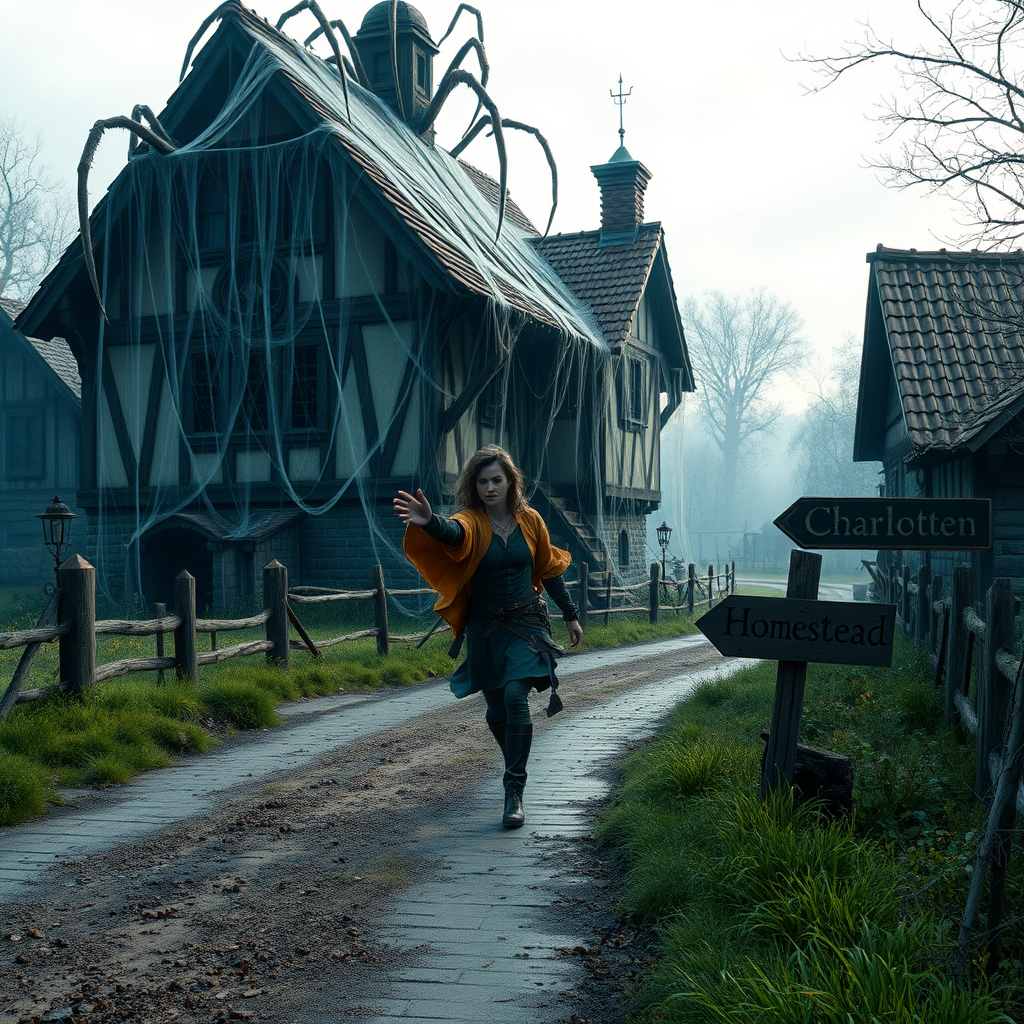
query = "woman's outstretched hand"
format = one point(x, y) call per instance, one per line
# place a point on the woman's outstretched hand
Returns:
point(413, 509)
point(575, 633)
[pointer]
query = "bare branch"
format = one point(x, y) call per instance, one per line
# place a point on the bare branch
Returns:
point(961, 131)
point(35, 212)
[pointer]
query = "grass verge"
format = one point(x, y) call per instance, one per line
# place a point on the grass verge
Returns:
point(773, 912)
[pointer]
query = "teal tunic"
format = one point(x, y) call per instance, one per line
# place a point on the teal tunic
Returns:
point(502, 579)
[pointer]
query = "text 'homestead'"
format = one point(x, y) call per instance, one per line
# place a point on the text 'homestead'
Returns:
point(913, 524)
point(784, 629)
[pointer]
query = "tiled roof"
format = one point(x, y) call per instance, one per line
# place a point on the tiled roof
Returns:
point(488, 188)
point(954, 325)
point(610, 279)
point(12, 307)
point(56, 352)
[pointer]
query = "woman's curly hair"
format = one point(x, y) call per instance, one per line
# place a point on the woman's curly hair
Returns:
point(466, 495)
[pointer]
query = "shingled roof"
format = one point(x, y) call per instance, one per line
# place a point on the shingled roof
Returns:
point(953, 324)
point(56, 352)
point(609, 279)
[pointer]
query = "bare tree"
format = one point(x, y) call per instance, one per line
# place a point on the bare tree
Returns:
point(959, 120)
point(740, 347)
point(823, 443)
point(35, 212)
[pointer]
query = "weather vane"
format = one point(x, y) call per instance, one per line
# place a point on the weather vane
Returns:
point(620, 101)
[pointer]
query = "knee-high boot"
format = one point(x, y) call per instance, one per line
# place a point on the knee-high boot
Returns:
point(498, 732)
point(518, 740)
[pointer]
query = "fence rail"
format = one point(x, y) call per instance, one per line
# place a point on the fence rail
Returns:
point(77, 628)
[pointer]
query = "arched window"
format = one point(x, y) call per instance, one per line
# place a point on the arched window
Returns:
point(623, 550)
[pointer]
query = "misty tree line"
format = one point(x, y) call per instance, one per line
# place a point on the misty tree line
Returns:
point(734, 459)
point(35, 212)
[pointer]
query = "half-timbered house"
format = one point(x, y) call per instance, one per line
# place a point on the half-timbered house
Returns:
point(941, 401)
point(308, 304)
point(40, 417)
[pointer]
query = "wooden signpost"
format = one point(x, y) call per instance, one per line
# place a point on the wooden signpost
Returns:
point(891, 524)
point(797, 629)
point(783, 629)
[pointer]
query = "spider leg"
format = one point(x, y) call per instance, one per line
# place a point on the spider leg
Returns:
point(159, 143)
point(208, 21)
point(519, 126)
point(140, 111)
point(456, 151)
point(485, 68)
point(348, 65)
point(325, 25)
point(359, 72)
point(459, 77)
point(469, 10)
point(506, 122)
point(393, 24)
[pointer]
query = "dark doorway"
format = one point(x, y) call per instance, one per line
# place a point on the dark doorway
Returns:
point(165, 553)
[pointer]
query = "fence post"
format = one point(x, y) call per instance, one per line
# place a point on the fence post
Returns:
point(161, 610)
point(957, 668)
point(935, 617)
point(76, 580)
point(186, 659)
point(275, 600)
point(584, 592)
point(691, 585)
point(905, 599)
point(711, 581)
point(655, 591)
point(993, 692)
point(732, 589)
point(380, 611)
point(924, 592)
point(608, 597)
point(779, 759)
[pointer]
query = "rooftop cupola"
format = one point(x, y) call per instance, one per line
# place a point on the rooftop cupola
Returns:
point(623, 182)
point(413, 55)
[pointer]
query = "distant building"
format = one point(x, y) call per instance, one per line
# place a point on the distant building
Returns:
point(309, 308)
point(40, 419)
point(941, 401)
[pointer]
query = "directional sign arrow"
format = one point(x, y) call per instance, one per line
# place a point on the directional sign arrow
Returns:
point(784, 629)
point(904, 524)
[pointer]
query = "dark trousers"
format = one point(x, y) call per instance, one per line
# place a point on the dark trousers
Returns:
point(508, 718)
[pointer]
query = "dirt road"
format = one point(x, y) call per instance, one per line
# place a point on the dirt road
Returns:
point(329, 890)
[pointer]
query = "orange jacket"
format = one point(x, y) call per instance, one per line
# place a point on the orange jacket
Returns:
point(449, 569)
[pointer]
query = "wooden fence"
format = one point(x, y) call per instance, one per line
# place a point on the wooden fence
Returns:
point(693, 590)
point(74, 606)
point(962, 645)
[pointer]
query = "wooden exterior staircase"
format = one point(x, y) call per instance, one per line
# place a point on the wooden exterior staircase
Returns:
point(584, 543)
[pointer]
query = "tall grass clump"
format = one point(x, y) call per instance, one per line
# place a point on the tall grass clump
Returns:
point(879, 976)
point(244, 704)
point(24, 789)
point(775, 911)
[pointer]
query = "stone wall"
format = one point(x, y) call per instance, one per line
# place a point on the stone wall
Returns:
point(635, 525)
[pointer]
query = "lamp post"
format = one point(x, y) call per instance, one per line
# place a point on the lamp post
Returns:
point(56, 522)
point(664, 535)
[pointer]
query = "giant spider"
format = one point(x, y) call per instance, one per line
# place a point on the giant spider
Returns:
point(153, 134)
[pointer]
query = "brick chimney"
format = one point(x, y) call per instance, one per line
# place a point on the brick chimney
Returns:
point(623, 182)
